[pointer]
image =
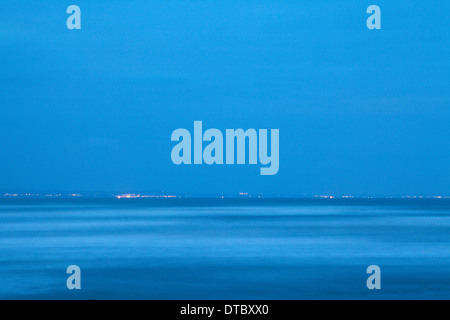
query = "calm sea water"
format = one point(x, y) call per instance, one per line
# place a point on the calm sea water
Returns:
point(225, 249)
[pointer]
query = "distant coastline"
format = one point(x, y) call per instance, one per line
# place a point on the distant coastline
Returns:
point(161, 195)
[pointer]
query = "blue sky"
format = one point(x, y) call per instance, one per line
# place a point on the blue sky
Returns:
point(359, 111)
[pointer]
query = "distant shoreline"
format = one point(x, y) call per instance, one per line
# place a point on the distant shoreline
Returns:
point(219, 198)
point(164, 195)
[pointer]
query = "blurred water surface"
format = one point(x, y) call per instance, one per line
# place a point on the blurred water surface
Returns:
point(225, 249)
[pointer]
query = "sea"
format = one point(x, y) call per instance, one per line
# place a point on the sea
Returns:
point(231, 249)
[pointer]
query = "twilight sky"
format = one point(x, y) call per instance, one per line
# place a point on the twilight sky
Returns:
point(359, 111)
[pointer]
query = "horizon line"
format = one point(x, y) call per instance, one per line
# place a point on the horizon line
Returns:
point(239, 195)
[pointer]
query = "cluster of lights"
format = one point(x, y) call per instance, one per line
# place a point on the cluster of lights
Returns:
point(16, 195)
point(325, 197)
point(137, 196)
